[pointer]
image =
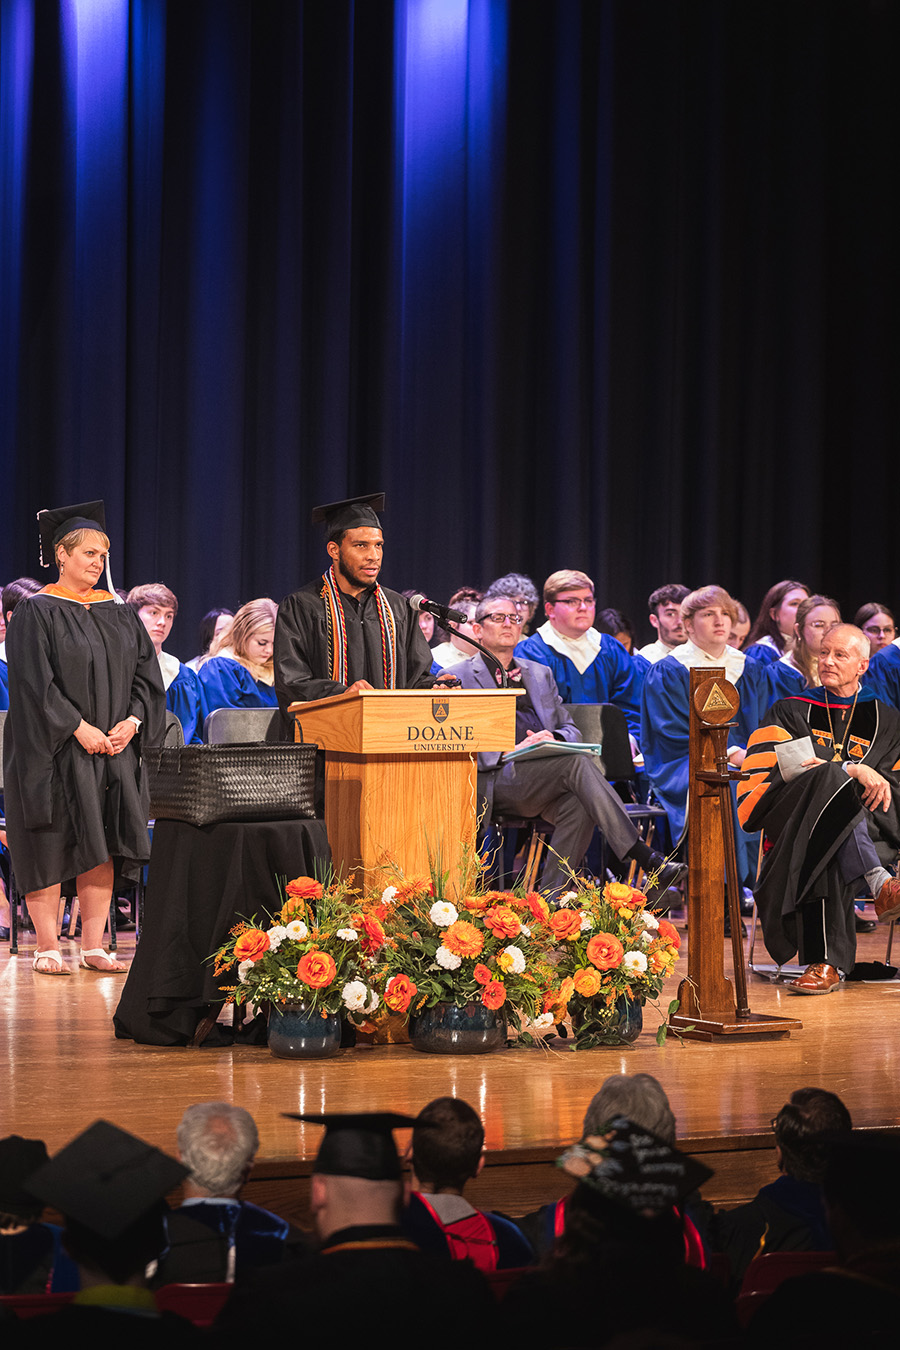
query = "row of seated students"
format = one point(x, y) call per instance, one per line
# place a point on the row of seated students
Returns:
point(630, 1250)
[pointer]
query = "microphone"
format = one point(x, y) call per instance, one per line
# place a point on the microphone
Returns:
point(419, 603)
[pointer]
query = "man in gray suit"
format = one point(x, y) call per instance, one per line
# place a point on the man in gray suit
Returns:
point(568, 790)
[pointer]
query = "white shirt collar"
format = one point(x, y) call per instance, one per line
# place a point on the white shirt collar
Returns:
point(170, 666)
point(581, 651)
point(690, 655)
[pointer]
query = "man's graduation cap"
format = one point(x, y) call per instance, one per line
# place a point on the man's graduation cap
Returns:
point(628, 1164)
point(55, 525)
point(359, 1144)
point(106, 1179)
point(353, 514)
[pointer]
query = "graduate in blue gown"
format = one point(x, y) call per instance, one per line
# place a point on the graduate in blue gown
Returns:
point(772, 633)
point(798, 669)
point(241, 674)
point(665, 721)
point(4, 686)
point(588, 666)
point(883, 675)
point(156, 607)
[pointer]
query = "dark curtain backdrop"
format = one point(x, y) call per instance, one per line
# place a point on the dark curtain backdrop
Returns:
point(598, 283)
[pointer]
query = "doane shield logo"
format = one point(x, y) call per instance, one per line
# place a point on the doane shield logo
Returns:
point(440, 709)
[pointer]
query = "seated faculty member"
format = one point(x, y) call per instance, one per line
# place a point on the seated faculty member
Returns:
point(214, 1235)
point(344, 631)
point(832, 819)
point(569, 790)
point(588, 666)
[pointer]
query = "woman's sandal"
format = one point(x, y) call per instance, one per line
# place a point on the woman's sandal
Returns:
point(112, 967)
point(54, 956)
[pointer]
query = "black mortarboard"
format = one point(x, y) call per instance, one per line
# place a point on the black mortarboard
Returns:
point(18, 1159)
point(106, 1179)
point(359, 1144)
point(628, 1164)
point(55, 525)
point(353, 514)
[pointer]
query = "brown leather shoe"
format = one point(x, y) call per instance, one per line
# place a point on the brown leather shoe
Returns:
point(887, 901)
point(819, 978)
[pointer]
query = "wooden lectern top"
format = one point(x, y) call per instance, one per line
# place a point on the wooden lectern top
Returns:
point(411, 721)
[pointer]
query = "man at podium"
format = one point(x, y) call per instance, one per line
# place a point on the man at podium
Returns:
point(344, 631)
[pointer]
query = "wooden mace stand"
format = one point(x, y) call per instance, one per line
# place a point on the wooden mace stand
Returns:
point(707, 1004)
point(400, 774)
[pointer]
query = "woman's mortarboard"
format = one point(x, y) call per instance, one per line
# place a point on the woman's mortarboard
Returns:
point(359, 1144)
point(56, 524)
point(62, 520)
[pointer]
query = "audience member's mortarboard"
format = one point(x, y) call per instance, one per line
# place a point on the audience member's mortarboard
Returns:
point(19, 1158)
point(106, 1179)
point(55, 525)
point(353, 514)
point(628, 1164)
point(358, 1145)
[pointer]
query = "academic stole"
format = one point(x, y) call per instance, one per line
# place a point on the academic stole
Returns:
point(337, 632)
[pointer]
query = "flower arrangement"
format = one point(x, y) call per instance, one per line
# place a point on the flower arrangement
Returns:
point(314, 951)
point(610, 947)
point(486, 948)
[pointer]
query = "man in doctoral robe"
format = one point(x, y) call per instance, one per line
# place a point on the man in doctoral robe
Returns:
point(570, 791)
point(344, 631)
point(587, 666)
point(831, 818)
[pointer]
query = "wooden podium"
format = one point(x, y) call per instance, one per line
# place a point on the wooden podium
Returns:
point(400, 767)
point(708, 1007)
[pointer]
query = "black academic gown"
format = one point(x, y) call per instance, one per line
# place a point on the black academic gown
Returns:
point(68, 811)
point(808, 819)
point(302, 660)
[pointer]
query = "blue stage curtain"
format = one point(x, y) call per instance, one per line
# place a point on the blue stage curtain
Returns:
point(609, 284)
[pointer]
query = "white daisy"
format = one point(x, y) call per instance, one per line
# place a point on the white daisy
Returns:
point(443, 913)
point(635, 963)
point(297, 930)
point(447, 959)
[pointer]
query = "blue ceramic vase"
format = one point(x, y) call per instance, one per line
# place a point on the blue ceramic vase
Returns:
point(297, 1033)
point(448, 1030)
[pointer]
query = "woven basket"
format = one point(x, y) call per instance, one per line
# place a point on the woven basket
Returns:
point(206, 784)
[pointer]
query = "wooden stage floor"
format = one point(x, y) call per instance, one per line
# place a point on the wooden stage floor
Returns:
point(63, 1068)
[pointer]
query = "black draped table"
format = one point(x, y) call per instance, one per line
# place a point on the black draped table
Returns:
point(201, 879)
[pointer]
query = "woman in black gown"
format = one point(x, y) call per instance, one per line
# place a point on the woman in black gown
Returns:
point(84, 681)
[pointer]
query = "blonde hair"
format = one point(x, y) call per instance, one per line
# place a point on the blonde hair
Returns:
point(559, 582)
point(706, 596)
point(75, 538)
point(250, 618)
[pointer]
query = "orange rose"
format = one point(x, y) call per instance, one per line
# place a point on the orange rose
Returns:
point(476, 903)
point(565, 924)
point(304, 888)
point(251, 945)
point(538, 907)
point(316, 969)
point(669, 934)
point(559, 998)
point(482, 974)
point(493, 995)
point(400, 992)
point(503, 921)
point(616, 893)
point(463, 939)
point(587, 982)
point(371, 933)
point(605, 951)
